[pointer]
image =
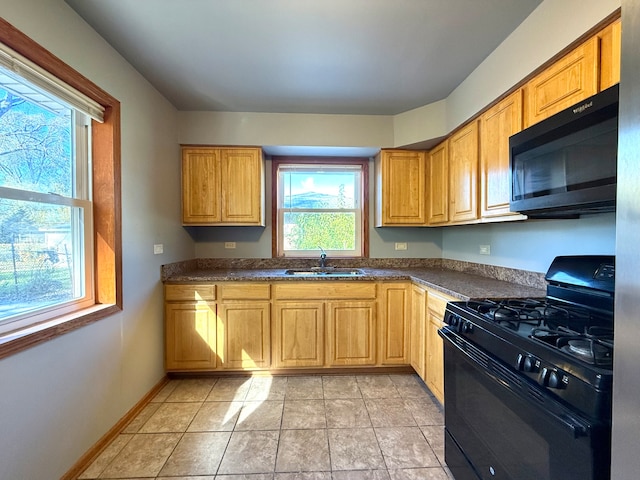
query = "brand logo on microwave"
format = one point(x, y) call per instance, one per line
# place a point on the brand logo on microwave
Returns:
point(583, 107)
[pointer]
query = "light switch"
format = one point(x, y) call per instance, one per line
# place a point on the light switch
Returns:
point(158, 248)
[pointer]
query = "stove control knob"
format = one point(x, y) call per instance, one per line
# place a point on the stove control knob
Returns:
point(467, 327)
point(551, 378)
point(527, 363)
point(452, 320)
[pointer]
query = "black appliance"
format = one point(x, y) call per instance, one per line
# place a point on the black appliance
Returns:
point(566, 165)
point(528, 382)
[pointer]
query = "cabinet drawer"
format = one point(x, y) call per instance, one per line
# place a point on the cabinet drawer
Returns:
point(245, 291)
point(324, 290)
point(189, 292)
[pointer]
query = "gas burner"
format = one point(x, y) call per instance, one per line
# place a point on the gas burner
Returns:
point(594, 346)
point(589, 350)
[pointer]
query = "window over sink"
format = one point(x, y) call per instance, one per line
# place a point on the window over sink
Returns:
point(320, 205)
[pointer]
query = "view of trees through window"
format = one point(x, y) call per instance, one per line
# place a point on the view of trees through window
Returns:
point(320, 207)
point(38, 242)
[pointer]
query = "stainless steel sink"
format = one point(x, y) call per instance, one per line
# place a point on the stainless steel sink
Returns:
point(326, 272)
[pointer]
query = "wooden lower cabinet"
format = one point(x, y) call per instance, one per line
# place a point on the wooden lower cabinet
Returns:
point(352, 333)
point(393, 319)
point(434, 369)
point(190, 336)
point(244, 340)
point(299, 334)
point(257, 326)
point(418, 329)
point(190, 327)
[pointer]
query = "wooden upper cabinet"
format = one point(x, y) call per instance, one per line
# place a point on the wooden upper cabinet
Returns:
point(242, 174)
point(572, 78)
point(610, 39)
point(400, 181)
point(463, 174)
point(222, 186)
point(201, 186)
point(438, 185)
point(496, 126)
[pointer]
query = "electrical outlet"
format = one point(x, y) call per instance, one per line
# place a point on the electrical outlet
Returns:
point(229, 244)
point(158, 248)
point(401, 245)
point(485, 249)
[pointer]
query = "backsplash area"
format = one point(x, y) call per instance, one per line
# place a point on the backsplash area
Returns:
point(512, 275)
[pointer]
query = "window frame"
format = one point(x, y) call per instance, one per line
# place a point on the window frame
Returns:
point(276, 162)
point(105, 177)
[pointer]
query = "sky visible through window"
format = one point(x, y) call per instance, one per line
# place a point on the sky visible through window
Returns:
point(331, 189)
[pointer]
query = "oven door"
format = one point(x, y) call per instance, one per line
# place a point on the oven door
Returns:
point(500, 425)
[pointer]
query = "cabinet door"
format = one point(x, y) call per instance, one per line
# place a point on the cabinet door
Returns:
point(299, 334)
point(436, 304)
point(352, 333)
point(463, 174)
point(610, 42)
point(242, 177)
point(190, 336)
point(418, 330)
point(438, 185)
point(394, 324)
point(496, 126)
point(401, 188)
point(572, 78)
point(244, 335)
point(200, 186)
point(435, 353)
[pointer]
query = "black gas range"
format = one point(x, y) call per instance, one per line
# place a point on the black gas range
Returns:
point(545, 364)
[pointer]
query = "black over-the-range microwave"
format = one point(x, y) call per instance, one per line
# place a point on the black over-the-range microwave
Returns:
point(565, 165)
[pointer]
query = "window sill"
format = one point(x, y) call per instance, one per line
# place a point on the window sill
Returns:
point(19, 340)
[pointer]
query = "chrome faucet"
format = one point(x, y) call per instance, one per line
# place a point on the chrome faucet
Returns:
point(323, 257)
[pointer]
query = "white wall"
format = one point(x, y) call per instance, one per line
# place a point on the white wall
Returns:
point(533, 244)
point(60, 397)
point(280, 129)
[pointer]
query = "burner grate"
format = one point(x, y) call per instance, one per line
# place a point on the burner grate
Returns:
point(594, 345)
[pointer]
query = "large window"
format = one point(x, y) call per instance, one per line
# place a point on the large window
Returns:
point(60, 245)
point(320, 205)
point(45, 203)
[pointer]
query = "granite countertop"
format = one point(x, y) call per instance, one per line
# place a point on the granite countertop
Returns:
point(460, 284)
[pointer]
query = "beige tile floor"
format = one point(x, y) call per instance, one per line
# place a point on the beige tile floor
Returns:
point(346, 427)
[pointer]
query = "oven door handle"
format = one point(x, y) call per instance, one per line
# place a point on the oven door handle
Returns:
point(504, 376)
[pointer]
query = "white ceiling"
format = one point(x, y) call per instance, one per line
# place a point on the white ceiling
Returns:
point(372, 57)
